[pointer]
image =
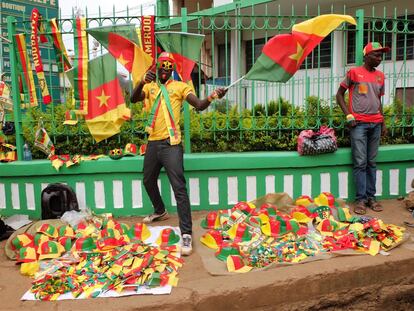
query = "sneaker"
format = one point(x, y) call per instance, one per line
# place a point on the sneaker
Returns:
point(156, 217)
point(187, 246)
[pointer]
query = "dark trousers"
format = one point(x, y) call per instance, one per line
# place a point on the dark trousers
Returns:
point(161, 154)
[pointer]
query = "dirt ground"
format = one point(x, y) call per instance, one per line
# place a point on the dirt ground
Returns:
point(343, 283)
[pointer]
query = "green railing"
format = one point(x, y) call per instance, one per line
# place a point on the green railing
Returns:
point(234, 36)
point(214, 180)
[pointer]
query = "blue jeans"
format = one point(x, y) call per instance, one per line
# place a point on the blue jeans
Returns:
point(161, 154)
point(365, 140)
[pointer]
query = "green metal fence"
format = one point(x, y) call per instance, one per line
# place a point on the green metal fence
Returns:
point(234, 36)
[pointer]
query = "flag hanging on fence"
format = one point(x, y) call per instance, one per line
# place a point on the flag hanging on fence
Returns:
point(60, 50)
point(185, 48)
point(129, 54)
point(147, 35)
point(26, 72)
point(107, 110)
point(80, 65)
point(283, 54)
point(127, 31)
point(37, 59)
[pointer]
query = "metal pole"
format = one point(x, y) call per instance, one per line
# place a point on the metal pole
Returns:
point(11, 29)
point(359, 38)
point(163, 10)
point(187, 123)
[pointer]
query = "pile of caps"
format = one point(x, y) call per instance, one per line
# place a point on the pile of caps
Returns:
point(247, 236)
point(96, 256)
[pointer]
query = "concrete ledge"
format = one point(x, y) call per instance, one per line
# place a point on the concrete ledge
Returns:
point(210, 161)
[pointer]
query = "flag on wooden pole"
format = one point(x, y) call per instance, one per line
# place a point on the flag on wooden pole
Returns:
point(283, 54)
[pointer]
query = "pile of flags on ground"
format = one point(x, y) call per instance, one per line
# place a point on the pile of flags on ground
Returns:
point(96, 256)
point(248, 236)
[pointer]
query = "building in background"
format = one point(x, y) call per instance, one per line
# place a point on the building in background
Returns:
point(237, 30)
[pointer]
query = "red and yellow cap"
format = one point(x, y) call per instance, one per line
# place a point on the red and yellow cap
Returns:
point(49, 230)
point(165, 57)
point(327, 227)
point(245, 207)
point(40, 238)
point(271, 227)
point(301, 214)
point(226, 250)
point(304, 200)
point(66, 230)
point(26, 254)
point(212, 239)
point(66, 242)
point(84, 244)
point(235, 263)
point(168, 237)
point(325, 199)
point(239, 233)
point(130, 150)
point(22, 240)
point(139, 231)
point(375, 46)
point(50, 249)
point(106, 244)
point(212, 220)
point(268, 209)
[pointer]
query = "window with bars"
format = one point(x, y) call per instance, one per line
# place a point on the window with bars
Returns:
point(223, 68)
point(321, 56)
point(253, 51)
point(404, 38)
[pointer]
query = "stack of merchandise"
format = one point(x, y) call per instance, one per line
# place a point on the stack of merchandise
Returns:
point(98, 256)
point(249, 236)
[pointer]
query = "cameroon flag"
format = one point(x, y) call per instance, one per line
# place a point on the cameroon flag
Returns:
point(127, 31)
point(129, 54)
point(283, 54)
point(106, 105)
point(185, 48)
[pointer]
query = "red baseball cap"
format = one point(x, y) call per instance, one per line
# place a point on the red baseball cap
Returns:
point(166, 56)
point(375, 46)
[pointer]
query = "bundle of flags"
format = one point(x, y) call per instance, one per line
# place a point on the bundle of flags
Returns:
point(248, 236)
point(97, 255)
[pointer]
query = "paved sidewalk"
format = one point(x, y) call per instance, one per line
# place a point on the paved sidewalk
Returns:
point(320, 285)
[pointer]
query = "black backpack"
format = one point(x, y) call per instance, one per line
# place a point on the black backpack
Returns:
point(58, 199)
point(5, 231)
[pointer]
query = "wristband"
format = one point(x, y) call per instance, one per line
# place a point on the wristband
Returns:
point(212, 97)
point(350, 118)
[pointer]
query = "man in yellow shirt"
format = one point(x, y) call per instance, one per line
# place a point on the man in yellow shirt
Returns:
point(166, 97)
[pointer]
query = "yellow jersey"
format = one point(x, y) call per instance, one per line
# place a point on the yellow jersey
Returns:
point(178, 92)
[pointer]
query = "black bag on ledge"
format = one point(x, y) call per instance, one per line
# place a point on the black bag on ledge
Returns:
point(58, 199)
point(311, 143)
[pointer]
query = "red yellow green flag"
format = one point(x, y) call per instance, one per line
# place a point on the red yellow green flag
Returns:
point(62, 57)
point(125, 50)
point(107, 110)
point(26, 71)
point(37, 60)
point(80, 66)
point(185, 48)
point(283, 54)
